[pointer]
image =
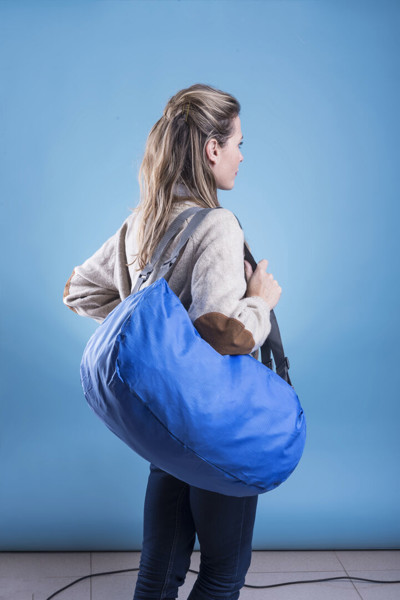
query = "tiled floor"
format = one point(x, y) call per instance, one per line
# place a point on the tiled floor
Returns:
point(37, 575)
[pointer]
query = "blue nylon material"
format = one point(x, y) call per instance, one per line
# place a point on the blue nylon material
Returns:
point(224, 423)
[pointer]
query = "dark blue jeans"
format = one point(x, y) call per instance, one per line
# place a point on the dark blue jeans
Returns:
point(174, 512)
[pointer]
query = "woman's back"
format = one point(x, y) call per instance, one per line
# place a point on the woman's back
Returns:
point(208, 277)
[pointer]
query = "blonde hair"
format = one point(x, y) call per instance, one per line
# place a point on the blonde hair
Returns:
point(175, 153)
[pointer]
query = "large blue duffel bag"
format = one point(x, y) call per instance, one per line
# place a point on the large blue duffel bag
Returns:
point(225, 423)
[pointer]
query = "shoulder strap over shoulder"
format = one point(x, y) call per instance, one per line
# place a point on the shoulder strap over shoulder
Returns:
point(199, 214)
point(273, 343)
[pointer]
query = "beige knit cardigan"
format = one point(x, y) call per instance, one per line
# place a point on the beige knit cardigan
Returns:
point(208, 277)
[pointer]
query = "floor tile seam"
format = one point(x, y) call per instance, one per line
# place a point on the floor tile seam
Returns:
point(115, 570)
point(367, 569)
point(37, 552)
point(90, 578)
point(95, 575)
point(302, 571)
point(67, 578)
point(373, 570)
point(39, 577)
point(115, 552)
point(352, 582)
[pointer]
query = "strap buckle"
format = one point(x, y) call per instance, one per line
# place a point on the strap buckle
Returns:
point(169, 262)
point(285, 364)
point(145, 276)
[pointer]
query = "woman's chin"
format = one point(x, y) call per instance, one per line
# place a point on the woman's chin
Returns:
point(227, 186)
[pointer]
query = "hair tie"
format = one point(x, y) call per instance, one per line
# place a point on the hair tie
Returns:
point(187, 111)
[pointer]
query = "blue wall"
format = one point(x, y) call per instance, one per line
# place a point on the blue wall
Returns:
point(317, 195)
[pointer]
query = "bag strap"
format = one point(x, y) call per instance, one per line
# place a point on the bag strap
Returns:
point(273, 343)
point(172, 230)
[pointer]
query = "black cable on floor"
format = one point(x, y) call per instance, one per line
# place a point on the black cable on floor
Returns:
point(255, 587)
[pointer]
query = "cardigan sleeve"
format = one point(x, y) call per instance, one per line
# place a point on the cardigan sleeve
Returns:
point(96, 286)
point(224, 317)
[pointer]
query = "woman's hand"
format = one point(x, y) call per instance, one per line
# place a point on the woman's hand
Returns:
point(261, 283)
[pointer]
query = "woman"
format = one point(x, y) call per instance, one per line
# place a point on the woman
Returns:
point(193, 150)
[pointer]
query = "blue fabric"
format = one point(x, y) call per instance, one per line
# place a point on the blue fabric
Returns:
point(224, 423)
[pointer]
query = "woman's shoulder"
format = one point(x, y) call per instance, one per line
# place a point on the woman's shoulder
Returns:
point(217, 215)
point(220, 223)
point(218, 230)
point(220, 220)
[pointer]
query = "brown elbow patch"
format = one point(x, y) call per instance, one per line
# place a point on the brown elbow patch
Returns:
point(225, 334)
point(66, 290)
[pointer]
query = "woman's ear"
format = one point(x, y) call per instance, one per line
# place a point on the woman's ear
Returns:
point(212, 150)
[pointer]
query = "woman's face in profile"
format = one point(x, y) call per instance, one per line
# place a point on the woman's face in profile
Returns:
point(225, 161)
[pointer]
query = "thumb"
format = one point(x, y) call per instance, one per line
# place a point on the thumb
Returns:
point(248, 270)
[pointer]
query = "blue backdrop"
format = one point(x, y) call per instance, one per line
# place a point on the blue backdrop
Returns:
point(317, 195)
